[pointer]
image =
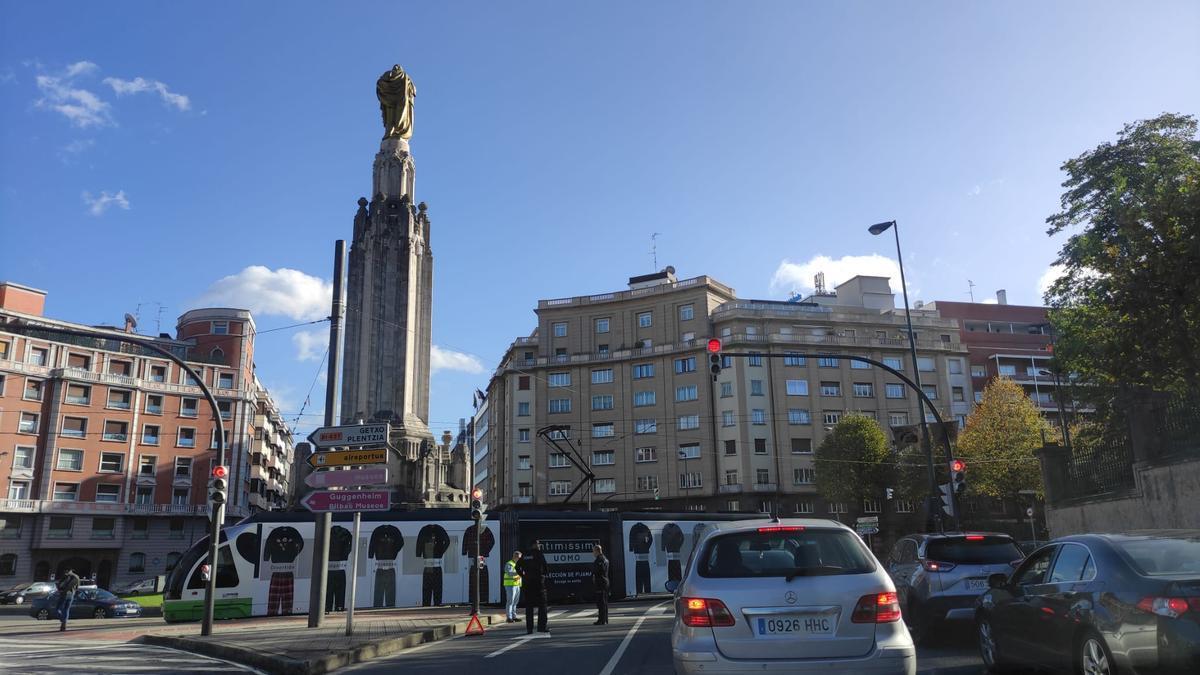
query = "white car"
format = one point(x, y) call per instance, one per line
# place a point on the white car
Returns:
point(787, 596)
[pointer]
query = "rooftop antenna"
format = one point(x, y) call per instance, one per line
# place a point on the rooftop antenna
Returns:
point(819, 283)
point(654, 250)
point(971, 289)
point(158, 318)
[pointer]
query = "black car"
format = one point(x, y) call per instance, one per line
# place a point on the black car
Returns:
point(90, 603)
point(1098, 603)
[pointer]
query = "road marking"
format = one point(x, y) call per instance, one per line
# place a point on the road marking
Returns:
point(50, 650)
point(241, 666)
point(616, 657)
point(513, 645)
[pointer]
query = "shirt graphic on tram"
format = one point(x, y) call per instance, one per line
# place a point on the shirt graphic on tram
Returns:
point(283, 545)
point(386, 543)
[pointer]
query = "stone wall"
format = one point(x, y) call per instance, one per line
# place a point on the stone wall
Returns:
point(1164, 497)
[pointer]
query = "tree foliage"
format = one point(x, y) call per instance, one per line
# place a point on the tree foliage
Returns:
point(852, 460)
point(1127, 308)
point(999, 439)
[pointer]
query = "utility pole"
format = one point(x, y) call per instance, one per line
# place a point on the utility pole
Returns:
point(320, 571)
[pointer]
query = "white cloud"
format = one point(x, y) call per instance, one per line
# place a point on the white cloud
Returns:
point(261, 290)
point(310, 344)
point(798, 277)
point(974, 192)
point(448, 359)
point(1051, 275)
point(80, 68)
point(989, 301)
point(82, 107)
point(139, 85)
point(98, 205)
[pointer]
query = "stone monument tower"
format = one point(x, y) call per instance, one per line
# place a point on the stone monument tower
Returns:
point(389, 298)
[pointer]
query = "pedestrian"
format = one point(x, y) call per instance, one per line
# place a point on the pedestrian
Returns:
point(66, 596)
point(512, 587)
point(532, 568)
point(600, 584)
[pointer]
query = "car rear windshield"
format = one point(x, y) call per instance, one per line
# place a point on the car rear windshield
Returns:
point(1163, 555)
point(972, 550)
point(784, 552)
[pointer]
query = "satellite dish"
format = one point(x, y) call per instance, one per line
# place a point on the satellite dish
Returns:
point(130, 321)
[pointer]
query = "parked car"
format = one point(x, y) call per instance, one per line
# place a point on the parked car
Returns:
point(938, 577)
point(26, 592)
point(1098, 603)
point(147, 586)
point(794, 596)
point(93, 603)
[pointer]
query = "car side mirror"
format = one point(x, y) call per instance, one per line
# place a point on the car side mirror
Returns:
point(672, 586)
point(997, 580)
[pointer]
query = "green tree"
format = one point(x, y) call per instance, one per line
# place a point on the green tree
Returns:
point(1127, 308)
point(999, 439)
point(851, 462)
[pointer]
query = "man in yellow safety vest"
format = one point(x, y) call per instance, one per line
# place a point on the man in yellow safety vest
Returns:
point(512, 586)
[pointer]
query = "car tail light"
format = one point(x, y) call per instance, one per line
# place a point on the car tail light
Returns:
point(1169, 607)
point(876, 608)
point(780, 528)
point(935, 566)
point(705, 613)
point(974, 537)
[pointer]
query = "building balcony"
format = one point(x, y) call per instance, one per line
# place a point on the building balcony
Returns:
point(765, 487)
point(843, 341)
point(729, 489)
point(523, 500)
point(48, 506)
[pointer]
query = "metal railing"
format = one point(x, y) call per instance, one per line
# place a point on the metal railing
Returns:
point(50, 506)
point(1100, 469)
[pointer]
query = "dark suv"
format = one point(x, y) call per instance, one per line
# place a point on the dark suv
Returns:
point(939, 576)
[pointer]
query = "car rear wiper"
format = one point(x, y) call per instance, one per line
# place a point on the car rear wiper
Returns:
point(812, 571)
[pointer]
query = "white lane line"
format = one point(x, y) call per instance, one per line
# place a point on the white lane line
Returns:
point(553, 614)
point(584, 614)
point(616, 657)
point(512, 645)
point(240, 666)
point(50, 650)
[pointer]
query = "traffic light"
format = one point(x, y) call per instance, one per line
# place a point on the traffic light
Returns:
point(890, 493)
point(714, 357)
point(958, 475)
point(478, 508)
point(655, 493)
point(947, 501)
point(218, 485)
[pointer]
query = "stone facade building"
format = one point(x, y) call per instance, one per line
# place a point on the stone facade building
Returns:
point(106, 448)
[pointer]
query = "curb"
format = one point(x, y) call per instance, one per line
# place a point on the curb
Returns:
point(281, 665)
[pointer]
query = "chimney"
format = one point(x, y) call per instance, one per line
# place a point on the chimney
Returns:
point(919, 304)
point(447, 438)
point(130, 323)
point(1001, 297)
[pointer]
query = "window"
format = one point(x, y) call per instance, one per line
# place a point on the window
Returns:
point(797, 387)
point(602, 349)
point(560, 329)
point(689, 422)
point(523, 383)
point(604, 485)
point(871, 506)
point(560, 405)
point(602, 402)
point(860, 365)
point(955, 366)
point(891, 390)
point(522, 435)
point(643, 398)
point(646, 454)
point(804, 506)
point(102, 528)
point(74, 427)
point(188, 407)
point(864, 390)
point(137, 563)
point(226, 409)
point(150, 434)
point(758, 416)
point(560, 488)
point(8, 565)
point(144, 495)
point(112, 462)
point(602, 325)
point(123, 368)
point(687, 393)
point(176, 527)
point(1007, 371)
point(158, 374)
point(33, 389)
point(523, 462)
point(23, 457)
point(726, 361)
point(804, 476)
point(799, 416)
point(647, 426)
point(762, 476)
point(60, 527)
point(643, 370)
point(4, 347)
point(731, 447)
point(756, 387)
point(794, 360)
point(108, 493)
point(925, 364)
point(79, 394)
point(146, 465)
point(70, 460)
point(802, 446)
point(732, 505)
point(832, 417)
point(523, 409)
point(559, 379)
point(220, 328)
point(645, 319)
point(559, 460)
point(979, 397)
point(689, 451)
point(686, 312)
point(731, 477)
point(17, 489)
point(183, 467)
point(79, 362)
point(603, 376)
point(66, 492)
point(893, 362)
point(647, 483)
point(978, 371)
point(904, 506)
point(837, 507)
point(726, 389)
point(119, 399)
point(28, 423)
point(560, 354)
point(154, 404)
point(37, 356)
point(897, 419)
point(524, 490)
point(226, 572)
point(186, 438)
point(691, 480)
point(828, 362)
point(760, 446)
point(754, 359)
point(957, 394)
point(831, 388)
point(604, 430)
point(687, 365)
point(930, 391)
point(179, 496)
point(727, 418)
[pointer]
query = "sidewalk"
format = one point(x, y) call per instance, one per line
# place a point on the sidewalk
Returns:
point(286, 646)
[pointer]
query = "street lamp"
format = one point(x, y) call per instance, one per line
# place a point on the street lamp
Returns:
point(878, 229)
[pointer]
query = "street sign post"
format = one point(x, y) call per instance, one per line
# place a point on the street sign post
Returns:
point(350, 435)
point(320, 501)
point(867, 525)
point(319, 460)
point(376, 475)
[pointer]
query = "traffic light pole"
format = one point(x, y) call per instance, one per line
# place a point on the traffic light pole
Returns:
point(475, 599)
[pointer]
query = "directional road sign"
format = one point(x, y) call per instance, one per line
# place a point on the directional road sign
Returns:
point(347, 500)
point(320, 460)
point(350, 435)
point(375, 475)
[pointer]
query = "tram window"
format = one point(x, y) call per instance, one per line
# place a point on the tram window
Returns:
point(227, 576)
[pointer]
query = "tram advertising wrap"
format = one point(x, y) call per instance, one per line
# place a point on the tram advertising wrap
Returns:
point(567, 547)
point(656, 551)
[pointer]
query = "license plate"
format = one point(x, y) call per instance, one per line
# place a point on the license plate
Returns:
point(977, 584)
point(799, 625)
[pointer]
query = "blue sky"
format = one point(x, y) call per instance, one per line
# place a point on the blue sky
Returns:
point(552, 140)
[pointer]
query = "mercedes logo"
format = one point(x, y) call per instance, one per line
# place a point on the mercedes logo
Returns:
point(790, 596)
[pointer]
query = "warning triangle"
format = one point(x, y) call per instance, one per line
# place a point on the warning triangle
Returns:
point(474, 627)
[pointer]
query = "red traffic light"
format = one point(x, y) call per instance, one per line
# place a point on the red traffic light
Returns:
point(714, 345)
point(220, 472)
point(477, 493)
point(958, 466)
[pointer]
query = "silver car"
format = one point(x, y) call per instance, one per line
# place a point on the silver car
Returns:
point(787, 596)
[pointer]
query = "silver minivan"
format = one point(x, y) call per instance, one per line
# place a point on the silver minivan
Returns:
point(787, 596)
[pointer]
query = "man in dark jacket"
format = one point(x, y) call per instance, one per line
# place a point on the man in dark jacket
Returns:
point(600, 584)
point(66, 597)
point(532, 568)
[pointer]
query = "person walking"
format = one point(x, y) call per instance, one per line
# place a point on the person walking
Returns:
point(600, 584)
point(532, 568)
point(66, 597)
point(512, 587)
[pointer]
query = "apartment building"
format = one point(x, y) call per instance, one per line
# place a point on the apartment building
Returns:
point(106, 448)
point(620, 380)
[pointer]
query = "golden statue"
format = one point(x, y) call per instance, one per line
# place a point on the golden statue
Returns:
point(396, 93)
